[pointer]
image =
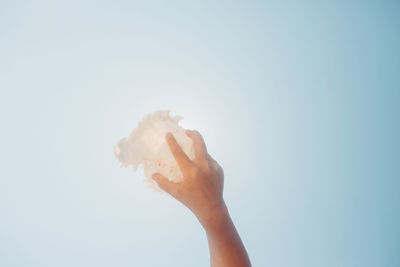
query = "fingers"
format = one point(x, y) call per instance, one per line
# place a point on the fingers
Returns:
point(181, 158)
point(165, 184)
point(210, 158)
point(199, 145)
point(214, 164)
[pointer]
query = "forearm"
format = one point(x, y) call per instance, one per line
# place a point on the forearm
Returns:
point(226, 247)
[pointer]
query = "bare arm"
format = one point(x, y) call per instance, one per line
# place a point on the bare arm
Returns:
point(201, 191)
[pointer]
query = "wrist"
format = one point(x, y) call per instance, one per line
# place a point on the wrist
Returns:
point(213, 216)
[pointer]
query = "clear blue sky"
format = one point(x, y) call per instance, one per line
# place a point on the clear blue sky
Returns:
point(298, 101)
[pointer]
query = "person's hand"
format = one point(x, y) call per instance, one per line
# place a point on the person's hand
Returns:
point(201, 191)
point(202, 186)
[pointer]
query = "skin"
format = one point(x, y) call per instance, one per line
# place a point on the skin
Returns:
point(201, 191)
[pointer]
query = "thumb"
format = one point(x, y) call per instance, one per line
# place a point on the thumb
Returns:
point(164, 183)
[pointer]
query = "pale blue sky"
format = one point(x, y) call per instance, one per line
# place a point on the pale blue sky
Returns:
point(298, 101)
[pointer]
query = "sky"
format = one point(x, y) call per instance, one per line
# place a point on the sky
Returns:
point(297, 100)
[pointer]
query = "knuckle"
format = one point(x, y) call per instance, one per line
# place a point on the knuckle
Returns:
point(197, 134)
point(174, 150)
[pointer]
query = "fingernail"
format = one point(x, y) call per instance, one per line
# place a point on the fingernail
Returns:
point(155, 176)
point(169, 135)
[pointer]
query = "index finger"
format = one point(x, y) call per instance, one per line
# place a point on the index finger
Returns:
point(181, 158)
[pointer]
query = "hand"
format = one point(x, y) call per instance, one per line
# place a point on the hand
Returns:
point(202, 186)
point(201, 191)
